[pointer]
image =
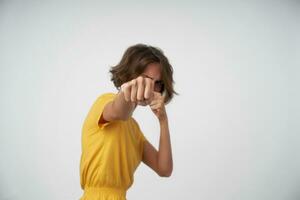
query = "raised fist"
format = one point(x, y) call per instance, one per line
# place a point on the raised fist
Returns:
point(139, 90)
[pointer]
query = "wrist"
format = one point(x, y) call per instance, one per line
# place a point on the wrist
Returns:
point(163, 119)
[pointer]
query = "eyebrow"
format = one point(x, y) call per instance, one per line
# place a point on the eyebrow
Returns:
point(147, 76)
point(150, 77)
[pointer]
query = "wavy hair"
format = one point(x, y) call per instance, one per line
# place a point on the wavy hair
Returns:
point(135, 60)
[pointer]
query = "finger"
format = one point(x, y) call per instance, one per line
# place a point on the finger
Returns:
point(154, 102)
point(154, 107)
point(148, 88)
point(142, 103)
point(157, 98)
point(152, 90)
point(140, 88)
point(157, 94)
point(133, 90)
point(126, 90)
point(164, 95)
point(148, 101)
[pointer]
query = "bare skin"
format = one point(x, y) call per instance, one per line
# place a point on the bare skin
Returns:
point(143, 91)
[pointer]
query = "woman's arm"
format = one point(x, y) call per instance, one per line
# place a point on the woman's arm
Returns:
point(160, 161)
point(118, 109)
point(129, 96)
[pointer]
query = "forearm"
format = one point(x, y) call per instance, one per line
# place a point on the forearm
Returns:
point(121, 107)
point(165, 161)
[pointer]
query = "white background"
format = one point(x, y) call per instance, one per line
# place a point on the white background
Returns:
point(234, 127)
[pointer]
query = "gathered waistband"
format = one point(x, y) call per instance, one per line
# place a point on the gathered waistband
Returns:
point(108, 190)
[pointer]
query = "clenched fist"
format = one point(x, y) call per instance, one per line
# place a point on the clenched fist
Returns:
point(158, 106)
point(139, 90)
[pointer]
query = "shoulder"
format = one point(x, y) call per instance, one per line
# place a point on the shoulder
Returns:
point(141, 136)
point(136, 125)
point(134, 122)
point(107, 94)
point(100, 100)
point(102, 97)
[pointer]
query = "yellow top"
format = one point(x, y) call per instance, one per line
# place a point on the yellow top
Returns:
point(111, 152)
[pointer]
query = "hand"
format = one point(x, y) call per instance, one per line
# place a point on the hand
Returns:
point(157, 105)
point(139, 90)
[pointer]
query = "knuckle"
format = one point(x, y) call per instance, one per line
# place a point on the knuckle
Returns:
point(148, 82)
point(124, 86)
point(139, 98)
point(140, 79)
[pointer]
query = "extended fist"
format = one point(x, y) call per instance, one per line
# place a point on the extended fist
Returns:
point(139, 90)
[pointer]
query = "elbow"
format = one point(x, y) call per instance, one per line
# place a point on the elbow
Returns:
point(165, 169)
point(123, 112)
point(126, 116)
point(123, 117)
point(165, 173)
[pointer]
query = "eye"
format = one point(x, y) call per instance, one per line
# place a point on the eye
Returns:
point(159, 86)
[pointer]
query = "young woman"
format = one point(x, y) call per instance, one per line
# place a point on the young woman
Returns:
point(113, 144)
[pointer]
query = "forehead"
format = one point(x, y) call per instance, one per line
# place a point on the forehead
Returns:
point(153, 70)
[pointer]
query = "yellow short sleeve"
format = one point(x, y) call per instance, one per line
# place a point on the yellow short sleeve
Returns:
point(141, 139)
point(96, 111)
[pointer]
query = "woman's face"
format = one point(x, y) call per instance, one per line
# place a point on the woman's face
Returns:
point(153, 71)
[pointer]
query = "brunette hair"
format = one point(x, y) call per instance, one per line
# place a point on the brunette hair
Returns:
point(135, 60)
